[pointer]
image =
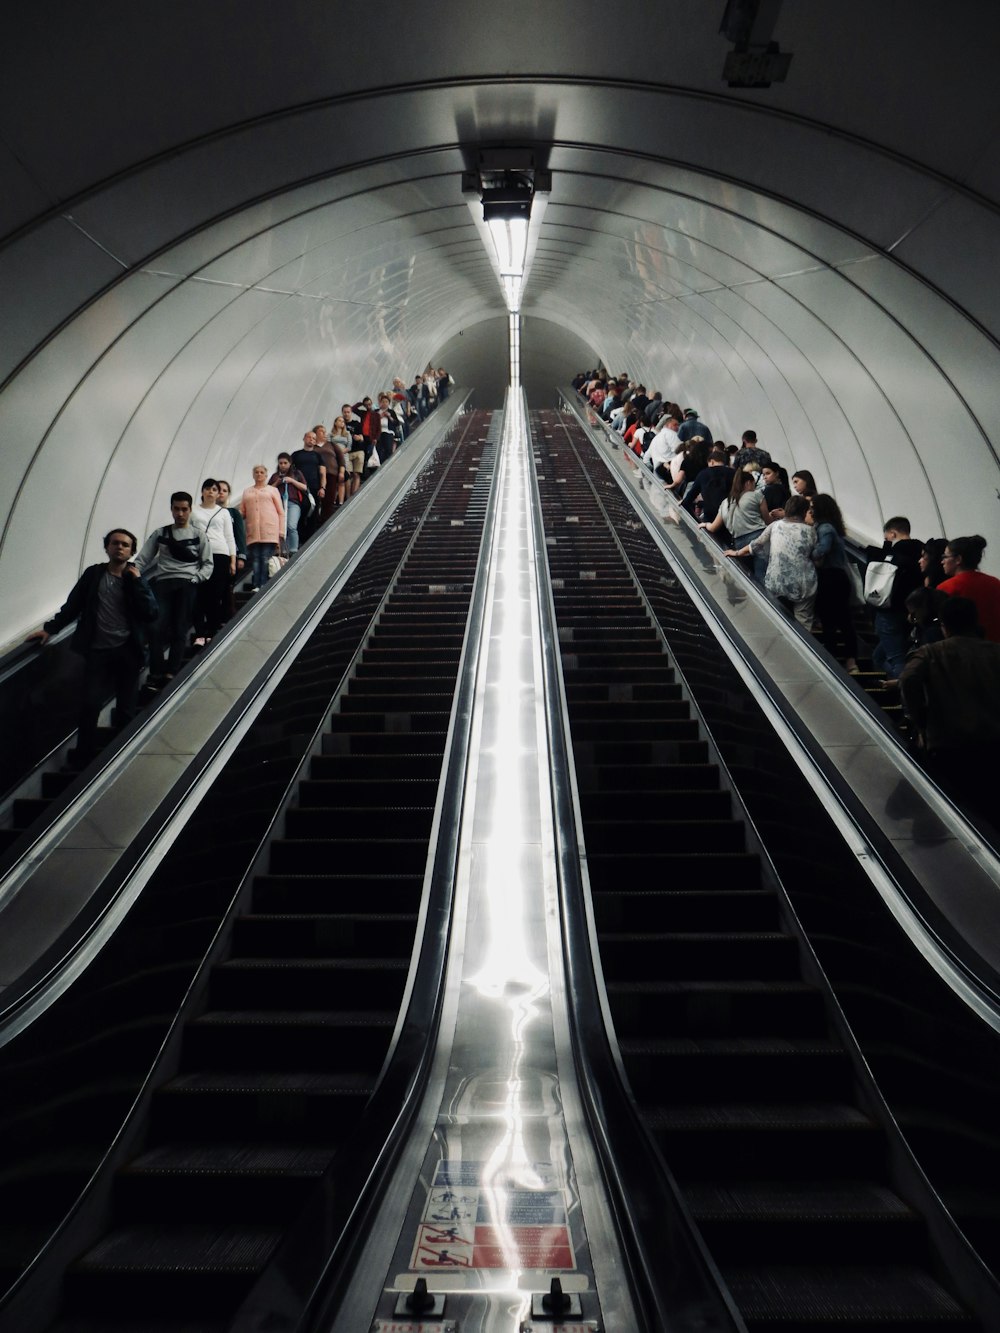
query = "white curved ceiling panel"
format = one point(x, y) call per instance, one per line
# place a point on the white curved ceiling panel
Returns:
point(811, 259)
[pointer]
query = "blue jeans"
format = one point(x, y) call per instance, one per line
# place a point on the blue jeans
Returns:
point(260, 553)
point(893, 641)
point(292, 512)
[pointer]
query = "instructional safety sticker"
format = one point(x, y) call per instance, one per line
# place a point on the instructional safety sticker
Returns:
point(471, 1221)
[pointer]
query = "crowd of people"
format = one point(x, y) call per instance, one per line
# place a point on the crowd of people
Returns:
point(935, 631)
point(144, 602)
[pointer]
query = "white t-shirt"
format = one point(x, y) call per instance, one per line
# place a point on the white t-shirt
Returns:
point(662, 449)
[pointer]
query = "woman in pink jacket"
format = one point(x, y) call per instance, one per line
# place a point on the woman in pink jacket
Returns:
point(264, 513)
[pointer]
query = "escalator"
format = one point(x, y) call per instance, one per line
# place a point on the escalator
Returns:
point(281, 1033)
point(725, 1028)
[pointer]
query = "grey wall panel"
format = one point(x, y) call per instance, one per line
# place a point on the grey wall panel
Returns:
point(44, 278)
point(955, 247)
point(32, 404)
point(22, 197)
point(69, 469)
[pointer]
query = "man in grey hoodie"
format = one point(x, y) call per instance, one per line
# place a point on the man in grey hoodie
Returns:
point(175, 559)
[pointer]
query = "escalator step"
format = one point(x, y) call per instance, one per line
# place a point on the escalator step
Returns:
point(354, 933)
point(857, 1299)
point(219, 1182)
point(731, 954)
point(744, 1140)
point(289, 1040)
point(314, 1107)
point(657, 837)
point(353, 792)
point(678, 803)
point(709, 869)
point(771, 1068)
point(717, 1008)
point(314, 856)
point(316, 821)
point(688, 909)
point(324, 892)
point(805, 1221)
point(205, 1268)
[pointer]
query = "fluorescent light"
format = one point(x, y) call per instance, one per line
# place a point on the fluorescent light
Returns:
point(512, 292)
point(510, 240)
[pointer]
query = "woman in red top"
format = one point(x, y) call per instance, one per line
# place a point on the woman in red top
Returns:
point(963, 579)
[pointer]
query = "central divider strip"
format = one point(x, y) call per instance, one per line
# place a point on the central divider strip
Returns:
point(500, 1194)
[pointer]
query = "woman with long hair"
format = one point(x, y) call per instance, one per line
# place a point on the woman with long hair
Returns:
point(804, 483)
point(965, 579)
point(741, 514)
point(833, 586)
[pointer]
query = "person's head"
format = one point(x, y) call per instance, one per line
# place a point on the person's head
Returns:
point(225, 491)
point(209, 493)
point(383, 399)
point(731, 450)
point(339, 426)
point(259, 474)
point(743, 481)
point(896, 529)
point(959, 615)
point(284, 463)
point(398, 385)
point(771, 474)
point(366, 403)
point(803, 483)
point(796, 508)
point(963, 553)
point(320, 433)
point(749, 437)
point(690, 414)
point(826, 510)
point(669, 423)
point(121, 545)
point(924, 605)
point(180, 508)
point(348, 412)
point(716, 457)
point(309, 440)
point(930, 561)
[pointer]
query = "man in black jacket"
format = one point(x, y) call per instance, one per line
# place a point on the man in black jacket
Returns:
point(112, 605)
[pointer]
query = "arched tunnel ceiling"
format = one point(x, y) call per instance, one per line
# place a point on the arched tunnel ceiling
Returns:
point(224, 220)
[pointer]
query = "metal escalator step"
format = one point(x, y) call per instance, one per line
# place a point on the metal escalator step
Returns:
point(353, 792)
point(368, 824)
point(858, 1297)
point(314, 855)
point(687, 909)
point(803, 1199)
point(697, 956)
point(649, 780)
point(329, 889)
point(232, 1159)
point(656, 837)
point(311, 934)
point(189, 1248)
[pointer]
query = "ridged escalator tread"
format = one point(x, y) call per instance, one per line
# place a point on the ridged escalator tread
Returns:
point(345, 1083)
point(314, 964)
point(756, 1115)
point(179, 1249)
point(751, 1199)
point(798, 1298)
point(229, 1159)
point(319, 1018)
point(712, 1046)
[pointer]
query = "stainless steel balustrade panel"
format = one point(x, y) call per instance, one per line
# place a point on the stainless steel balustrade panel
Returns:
point(502, 1114)
point(42, 896)
point(959, 871)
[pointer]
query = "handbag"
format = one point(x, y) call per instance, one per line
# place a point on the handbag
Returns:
point(276, 564)
point(373, 459)
point(879, 578)
point(857, 593)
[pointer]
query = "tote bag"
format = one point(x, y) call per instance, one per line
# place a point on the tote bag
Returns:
point(879, 578)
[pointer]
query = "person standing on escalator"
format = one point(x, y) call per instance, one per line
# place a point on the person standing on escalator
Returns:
point(113, 607)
